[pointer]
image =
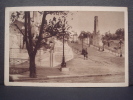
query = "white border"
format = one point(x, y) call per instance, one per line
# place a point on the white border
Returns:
point(64, 8)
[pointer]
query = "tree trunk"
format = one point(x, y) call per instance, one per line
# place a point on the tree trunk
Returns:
point(32, 66)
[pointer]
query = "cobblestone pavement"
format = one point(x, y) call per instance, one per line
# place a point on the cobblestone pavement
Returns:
point(100, 67)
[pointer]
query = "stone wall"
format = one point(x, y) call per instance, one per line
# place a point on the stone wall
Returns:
point(53, 58)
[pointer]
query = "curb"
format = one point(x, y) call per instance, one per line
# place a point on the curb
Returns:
point(76, 76)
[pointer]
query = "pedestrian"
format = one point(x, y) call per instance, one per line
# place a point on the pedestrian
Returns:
point(85, 54)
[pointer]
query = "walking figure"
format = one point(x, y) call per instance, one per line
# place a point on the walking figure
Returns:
point(85, 54)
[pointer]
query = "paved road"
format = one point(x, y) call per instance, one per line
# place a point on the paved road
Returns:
point(100, 67)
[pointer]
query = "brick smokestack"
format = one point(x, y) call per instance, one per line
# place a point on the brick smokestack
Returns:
point(95, 24)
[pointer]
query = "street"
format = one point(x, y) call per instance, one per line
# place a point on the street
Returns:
point(100, 67)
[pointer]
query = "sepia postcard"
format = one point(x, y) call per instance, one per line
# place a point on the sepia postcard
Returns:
point(66, 46)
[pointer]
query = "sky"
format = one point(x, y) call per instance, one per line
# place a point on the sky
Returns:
point(84, 21)
point(107, 21)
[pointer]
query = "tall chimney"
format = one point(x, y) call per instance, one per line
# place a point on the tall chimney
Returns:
point(95, 24)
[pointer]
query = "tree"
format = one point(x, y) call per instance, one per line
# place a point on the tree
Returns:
point(82, 35)
point(120, 33)
point(45, 31)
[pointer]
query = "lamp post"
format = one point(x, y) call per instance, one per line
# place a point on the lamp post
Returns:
point(62, 27)
point(63, 64)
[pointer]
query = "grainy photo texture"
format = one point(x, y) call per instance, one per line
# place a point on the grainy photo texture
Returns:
point(66, 46)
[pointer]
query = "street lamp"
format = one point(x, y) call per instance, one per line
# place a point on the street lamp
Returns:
point(63, 64)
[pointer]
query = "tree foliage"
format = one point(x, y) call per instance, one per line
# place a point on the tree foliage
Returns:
point(46, 30)
point(84, 35)
point(119, 34)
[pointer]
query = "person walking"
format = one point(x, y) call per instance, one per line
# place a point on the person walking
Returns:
point(85, 54)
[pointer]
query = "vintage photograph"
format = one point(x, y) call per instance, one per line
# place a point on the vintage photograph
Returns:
point(60, 46)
